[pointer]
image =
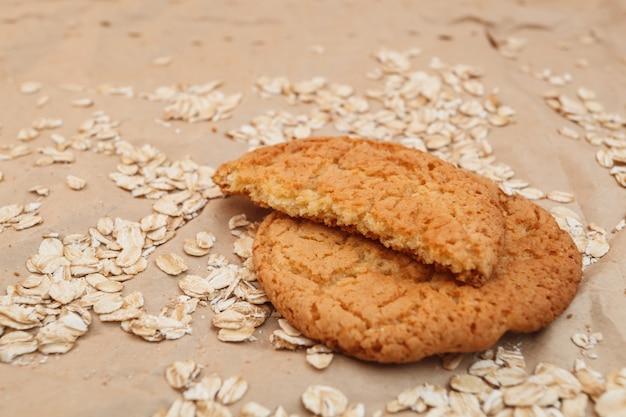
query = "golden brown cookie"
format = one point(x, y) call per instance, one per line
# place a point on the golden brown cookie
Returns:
point(409, 200)
point(360, 298)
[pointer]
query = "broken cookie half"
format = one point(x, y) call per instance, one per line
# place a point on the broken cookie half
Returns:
point(409, 200)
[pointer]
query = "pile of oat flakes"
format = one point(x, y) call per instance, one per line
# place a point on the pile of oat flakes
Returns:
point(446, 110)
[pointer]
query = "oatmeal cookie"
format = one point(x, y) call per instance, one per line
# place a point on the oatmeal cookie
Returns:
point(409, 200)
point(363, 299)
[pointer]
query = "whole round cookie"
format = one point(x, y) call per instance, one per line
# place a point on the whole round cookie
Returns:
point(363, 299)
point(410, 200)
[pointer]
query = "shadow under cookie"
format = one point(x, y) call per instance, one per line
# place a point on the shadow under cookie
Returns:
point(367, 301)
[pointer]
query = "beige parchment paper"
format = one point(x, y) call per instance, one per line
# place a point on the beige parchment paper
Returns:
point(92, 43)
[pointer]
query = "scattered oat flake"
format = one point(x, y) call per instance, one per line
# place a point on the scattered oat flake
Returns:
point(568, 132)
point(468, 383)
point(319, 359)
point(30, 87)
point(171, 263)
point(16, 343)
point(243, 247)
point(42, 101)
point(232, 390)
point(597, 248)
point(27, 134)
point(451, 361)
point(604, 157)
point(75, 183)
point(180, 374)
point(205, 240)
point(612, 403)
point(238, 220)
point(205, 389)
point(109, 286)
point(162, 61)
point(82, 102)
point(254, 409)
point(560, 196)
point(242, 334)
point(324, 401)
point(241, 314)
point(191, 247)
point(531, 193)
point(280, 339)
point(108, 303)
point(26, 221)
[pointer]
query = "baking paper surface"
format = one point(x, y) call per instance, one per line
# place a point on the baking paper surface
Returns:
point(86, 43)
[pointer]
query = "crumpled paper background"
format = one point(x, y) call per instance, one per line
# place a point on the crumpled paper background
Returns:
point(110, 372)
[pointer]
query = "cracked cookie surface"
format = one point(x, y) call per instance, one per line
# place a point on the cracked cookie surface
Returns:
point(409, 200)
point(376, 304)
